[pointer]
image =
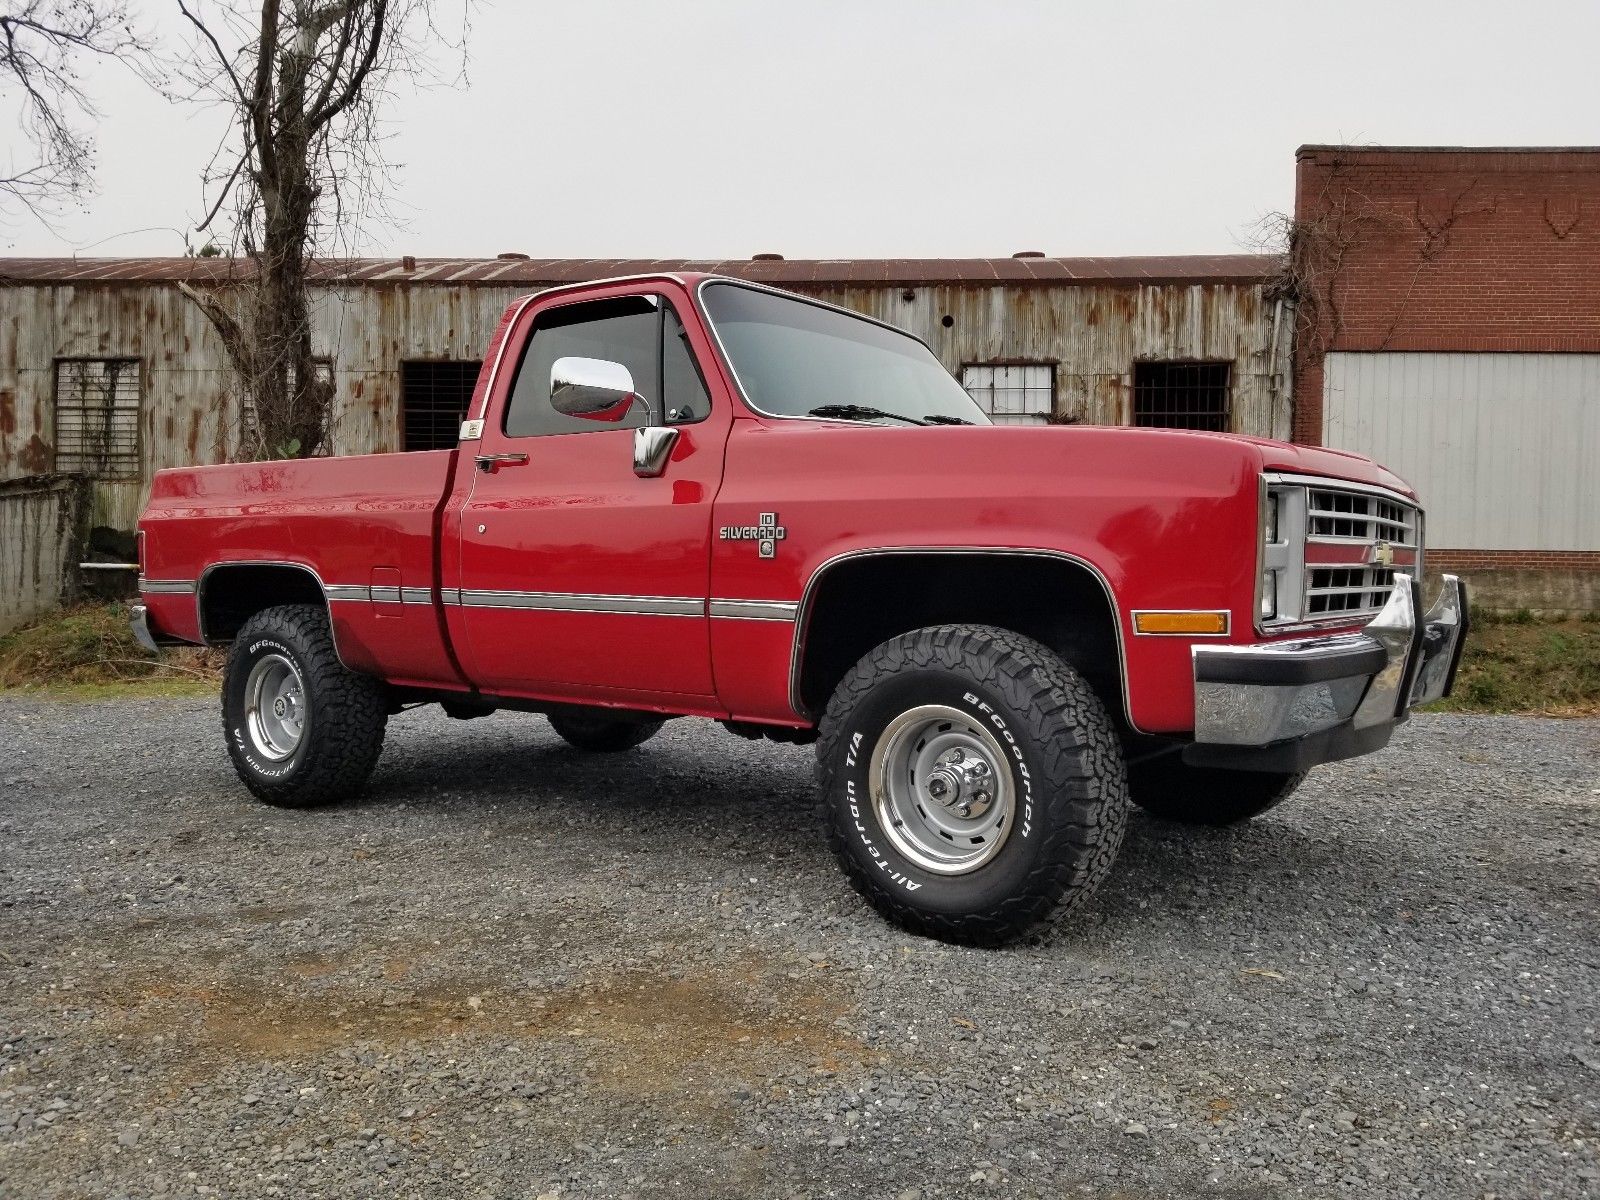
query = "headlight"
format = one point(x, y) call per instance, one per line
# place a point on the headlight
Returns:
point(1282, 523)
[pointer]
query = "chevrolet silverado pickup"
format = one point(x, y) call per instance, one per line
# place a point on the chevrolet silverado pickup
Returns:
point(689, 496)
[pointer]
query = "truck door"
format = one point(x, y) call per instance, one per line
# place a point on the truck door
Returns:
point(578, 577)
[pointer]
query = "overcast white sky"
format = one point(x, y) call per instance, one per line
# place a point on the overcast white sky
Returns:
point(831, 128)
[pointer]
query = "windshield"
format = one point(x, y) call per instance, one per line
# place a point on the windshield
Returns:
point(793, 358)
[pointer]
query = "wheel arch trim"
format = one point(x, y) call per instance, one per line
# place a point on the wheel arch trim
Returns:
point(803, 613)
point(306, 568)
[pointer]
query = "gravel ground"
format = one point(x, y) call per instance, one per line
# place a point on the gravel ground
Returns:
point(515, 971)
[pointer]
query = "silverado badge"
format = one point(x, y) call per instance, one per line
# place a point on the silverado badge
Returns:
point(766, 533)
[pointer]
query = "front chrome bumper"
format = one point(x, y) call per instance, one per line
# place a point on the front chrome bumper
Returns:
point(1309, 700)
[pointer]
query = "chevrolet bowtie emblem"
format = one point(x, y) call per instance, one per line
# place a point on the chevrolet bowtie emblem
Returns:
point(1383, 554)
point(766, 533)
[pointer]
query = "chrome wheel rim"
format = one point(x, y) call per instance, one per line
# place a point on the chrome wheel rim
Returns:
point(275, 707)
point(942, 789)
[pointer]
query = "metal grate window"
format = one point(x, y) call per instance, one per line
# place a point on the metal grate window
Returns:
point(97, 417)
point(435, 396)
point(1018, 394)
point(1182, 395)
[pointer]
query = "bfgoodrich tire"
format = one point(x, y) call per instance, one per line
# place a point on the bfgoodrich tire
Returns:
point(301, 729)
point(1169, 789)
point(971, 783)
point(602, 735)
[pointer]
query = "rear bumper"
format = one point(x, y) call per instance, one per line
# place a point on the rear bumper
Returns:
point(1286, 706)
point(145, 634)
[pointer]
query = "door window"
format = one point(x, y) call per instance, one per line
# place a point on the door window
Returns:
point(640, 332)
point(683, 388)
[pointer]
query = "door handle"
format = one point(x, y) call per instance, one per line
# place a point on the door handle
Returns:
point(493, 462)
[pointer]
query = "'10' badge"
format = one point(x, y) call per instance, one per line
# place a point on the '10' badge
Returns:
point(766, 534)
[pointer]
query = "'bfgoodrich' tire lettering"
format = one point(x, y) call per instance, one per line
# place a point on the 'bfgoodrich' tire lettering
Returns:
point(1068, 782)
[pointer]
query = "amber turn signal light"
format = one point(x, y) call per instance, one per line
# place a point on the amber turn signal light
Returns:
point(1181, 622)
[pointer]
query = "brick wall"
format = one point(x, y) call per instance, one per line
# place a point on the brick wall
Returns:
point(1513, 560)
point(1440, 250)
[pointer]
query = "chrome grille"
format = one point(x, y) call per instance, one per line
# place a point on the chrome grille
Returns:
point(1330, 552)
point(1359, 516)
point(1347, 589)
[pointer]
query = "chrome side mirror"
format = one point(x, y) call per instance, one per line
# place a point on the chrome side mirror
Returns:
point(592, 388)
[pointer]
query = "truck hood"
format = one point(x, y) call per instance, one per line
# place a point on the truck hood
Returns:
point(1306, 460)
point(1023, 445)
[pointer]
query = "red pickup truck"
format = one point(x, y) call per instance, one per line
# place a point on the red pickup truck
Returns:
point(687, 496)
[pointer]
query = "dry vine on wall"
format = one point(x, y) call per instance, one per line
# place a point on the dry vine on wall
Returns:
point(1345, 222)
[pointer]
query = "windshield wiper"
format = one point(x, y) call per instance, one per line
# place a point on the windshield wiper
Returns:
point(941, 419)
point(852, 412)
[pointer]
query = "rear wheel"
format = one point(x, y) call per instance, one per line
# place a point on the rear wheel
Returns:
point(971, 783)
point(1170, 789)
point(301, 729)
point(602, 735)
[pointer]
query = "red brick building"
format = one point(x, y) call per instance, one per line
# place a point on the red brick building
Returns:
point(1450, 327)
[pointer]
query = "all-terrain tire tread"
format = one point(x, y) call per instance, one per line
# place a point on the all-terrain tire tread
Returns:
point(1084, 773)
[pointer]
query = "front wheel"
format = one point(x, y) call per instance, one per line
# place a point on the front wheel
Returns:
point(1171, 790)
point(971, 783)
point(302, 730)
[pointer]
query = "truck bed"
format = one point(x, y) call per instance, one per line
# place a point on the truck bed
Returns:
point(366, 527)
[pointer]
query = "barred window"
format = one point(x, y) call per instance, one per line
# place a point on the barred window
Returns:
point(1182, 395)
point(97, 417)
point(434, 398)
point(1019, 394)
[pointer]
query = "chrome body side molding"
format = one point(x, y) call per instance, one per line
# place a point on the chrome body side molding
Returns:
point(643, 606)
point(175, 587)
point(755, 610)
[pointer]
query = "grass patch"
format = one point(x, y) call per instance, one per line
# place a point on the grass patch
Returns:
point(1515, 662)
point(1520, 662)
point(89, 652)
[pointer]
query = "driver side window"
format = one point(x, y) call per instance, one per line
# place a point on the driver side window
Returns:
point(642, 333)
point(623, 330)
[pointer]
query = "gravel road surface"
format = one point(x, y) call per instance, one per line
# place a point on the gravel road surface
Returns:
point(516, 971)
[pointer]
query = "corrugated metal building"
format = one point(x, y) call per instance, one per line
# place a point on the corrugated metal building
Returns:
point(107, 369)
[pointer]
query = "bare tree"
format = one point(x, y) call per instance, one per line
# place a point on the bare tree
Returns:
point(300, 167)
point(42, 43)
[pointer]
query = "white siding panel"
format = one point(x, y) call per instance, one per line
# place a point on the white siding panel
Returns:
point(1503, 448)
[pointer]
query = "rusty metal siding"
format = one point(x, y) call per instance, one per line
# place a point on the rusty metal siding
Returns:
point(1093, 331)
point(1095, 334)
point(40, 529)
